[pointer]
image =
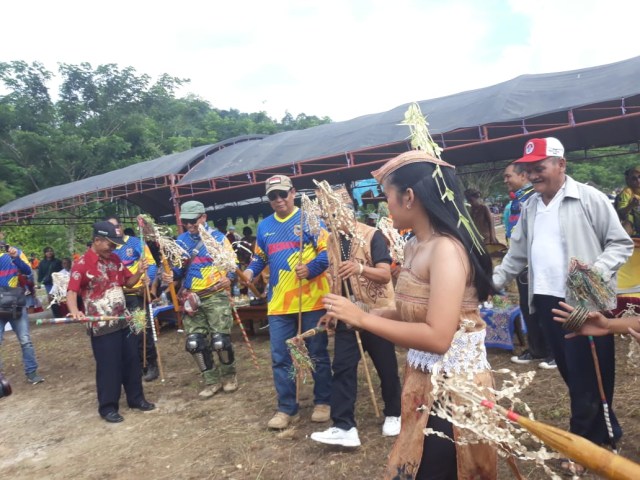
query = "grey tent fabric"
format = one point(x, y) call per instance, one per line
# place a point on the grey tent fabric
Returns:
point(156, 168)
point(519, 99)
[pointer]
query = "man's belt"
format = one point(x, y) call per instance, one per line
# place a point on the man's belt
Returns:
point(207, 292)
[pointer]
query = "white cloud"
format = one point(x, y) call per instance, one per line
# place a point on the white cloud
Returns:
point(335, 58)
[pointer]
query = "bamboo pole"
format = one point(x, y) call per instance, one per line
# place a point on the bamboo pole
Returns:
point(246, 281)
point(63, 320)
point(147, 299)
point(577, 448)
point(603, 397)
point(254, 358)
point(301, 246)
point(365, 364)
point(172, 291)
point(368, 375)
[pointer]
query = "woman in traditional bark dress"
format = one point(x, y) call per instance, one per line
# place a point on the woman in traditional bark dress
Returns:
point(446, 273)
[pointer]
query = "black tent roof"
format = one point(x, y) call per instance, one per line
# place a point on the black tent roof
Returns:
point(585, 108)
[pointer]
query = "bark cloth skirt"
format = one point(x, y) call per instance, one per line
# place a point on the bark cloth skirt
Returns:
point(466, 355)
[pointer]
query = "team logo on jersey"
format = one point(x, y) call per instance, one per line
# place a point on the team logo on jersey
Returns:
point(297, 230)
point(130, 252)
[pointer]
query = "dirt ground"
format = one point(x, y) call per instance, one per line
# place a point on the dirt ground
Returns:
point(52, 430)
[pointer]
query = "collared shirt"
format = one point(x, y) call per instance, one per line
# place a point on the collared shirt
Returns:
point(278, 245)
point(99, 282)
point(201, 273)
point(548, 256)
point(591, 231)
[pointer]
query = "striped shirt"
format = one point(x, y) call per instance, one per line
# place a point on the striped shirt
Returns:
point(278, 245)
point(201, 272)
point(130, 254)
point(11, 267)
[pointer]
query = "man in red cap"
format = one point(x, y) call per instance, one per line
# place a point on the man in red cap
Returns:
point(561, 220)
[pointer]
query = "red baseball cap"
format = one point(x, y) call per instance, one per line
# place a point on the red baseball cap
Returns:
point(538, 149)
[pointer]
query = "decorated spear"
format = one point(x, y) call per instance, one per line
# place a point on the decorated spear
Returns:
point(300, 249)
point(588, 289)
point(93, 319)
point(588, 454)
point(170, 252)
point(147, 299)
point(225, 259)
point(302, 363)
point(474, 410)
point(341, 219)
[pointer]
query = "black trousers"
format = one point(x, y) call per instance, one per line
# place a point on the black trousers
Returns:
point(117, 366)
point(136, 302)
point(344, 388)
point(536, 339)
point(576, 365)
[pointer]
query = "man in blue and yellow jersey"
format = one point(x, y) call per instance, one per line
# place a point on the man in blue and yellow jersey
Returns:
point(14, 262)
point(278, 246)
point(208, 326)
point(130, 254)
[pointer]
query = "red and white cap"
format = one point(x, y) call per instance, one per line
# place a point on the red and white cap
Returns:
point(538, 149)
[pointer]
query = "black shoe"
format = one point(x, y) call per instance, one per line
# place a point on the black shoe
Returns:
point(143, 406)
point(152, 373)
point(113, 417)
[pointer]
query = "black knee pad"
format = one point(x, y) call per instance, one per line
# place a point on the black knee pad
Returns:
point(197, 346)
point(221, 343)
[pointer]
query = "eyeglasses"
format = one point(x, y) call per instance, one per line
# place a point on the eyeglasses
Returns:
point(189, 221)
point(273, 195)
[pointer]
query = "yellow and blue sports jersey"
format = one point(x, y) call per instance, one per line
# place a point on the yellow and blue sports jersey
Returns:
point(278, 245)
point(201, 272)
point(11, 267)
point(130, 254)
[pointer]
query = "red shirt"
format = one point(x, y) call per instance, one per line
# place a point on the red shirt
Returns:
point(99, 282)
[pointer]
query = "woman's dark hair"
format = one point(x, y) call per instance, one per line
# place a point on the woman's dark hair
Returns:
point(444, 217)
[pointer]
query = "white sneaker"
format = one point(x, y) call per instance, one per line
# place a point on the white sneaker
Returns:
point(549, 364)
point(338, 436)
point(391, 426)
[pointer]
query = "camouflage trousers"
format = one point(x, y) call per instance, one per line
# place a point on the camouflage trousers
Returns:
point(213, 316)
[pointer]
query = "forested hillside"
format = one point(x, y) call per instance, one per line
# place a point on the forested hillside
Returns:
point(103, 118)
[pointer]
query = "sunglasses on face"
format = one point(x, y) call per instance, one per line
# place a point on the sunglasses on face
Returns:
point(189, 221)
point(278, 193)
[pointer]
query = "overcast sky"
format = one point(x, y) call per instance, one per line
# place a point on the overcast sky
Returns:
point(335, 58)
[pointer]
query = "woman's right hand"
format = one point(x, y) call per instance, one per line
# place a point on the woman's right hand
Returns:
point(340, 308)
point(596, 324)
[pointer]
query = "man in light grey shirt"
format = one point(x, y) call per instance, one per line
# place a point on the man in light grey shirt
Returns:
point(566, 219)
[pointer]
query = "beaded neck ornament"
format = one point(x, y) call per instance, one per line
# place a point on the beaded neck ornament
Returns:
point(428, 151)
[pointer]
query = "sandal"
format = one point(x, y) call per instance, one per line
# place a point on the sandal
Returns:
point(572, 469)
